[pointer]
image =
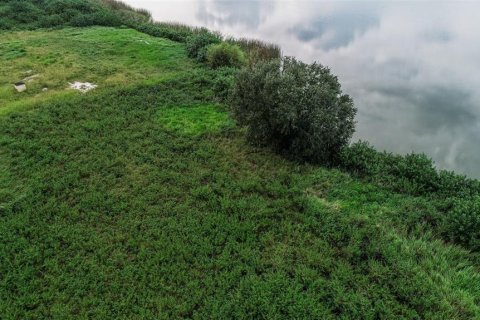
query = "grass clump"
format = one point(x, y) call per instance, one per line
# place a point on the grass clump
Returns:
point(258, 51)
point(225, 55)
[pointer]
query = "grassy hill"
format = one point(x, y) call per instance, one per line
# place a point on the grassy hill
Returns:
point(141, 199)
point(107, 57)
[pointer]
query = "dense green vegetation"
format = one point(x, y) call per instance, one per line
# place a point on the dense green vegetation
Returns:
point(109, 211)
point(143, 199)
point(296, 108)
point(197, 44)
point(21, 14)
point(225, 55)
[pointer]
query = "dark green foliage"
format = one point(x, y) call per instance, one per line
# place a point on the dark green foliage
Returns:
point(452, 184)
point(223, 83)
point(462, 225)
point(19, 11)
point(295, 108)
point(197, 44)
point(18, 14)
point(225, 55)
point(361, 159)
point(413, 173)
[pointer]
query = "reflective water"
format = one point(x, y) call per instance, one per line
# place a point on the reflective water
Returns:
point(413, 68)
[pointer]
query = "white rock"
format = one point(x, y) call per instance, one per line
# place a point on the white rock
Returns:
point(82, 86)
point(20, 86)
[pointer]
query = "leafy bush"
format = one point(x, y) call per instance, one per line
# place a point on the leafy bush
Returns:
point(58, 13)
point(197, 44)
point(294, 107)
point(225, 55)
point(416, 172)
point(361, 159)
point(452, 184)
point(19, 12)
point(413, 173)
point(463, 223)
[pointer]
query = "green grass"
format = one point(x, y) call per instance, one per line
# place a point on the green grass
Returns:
point(196, 120)
point(143, 201)
point(108, 57)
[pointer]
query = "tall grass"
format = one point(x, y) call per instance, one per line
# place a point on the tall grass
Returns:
point(121, 6)
point(258, 50)
point(170, 30)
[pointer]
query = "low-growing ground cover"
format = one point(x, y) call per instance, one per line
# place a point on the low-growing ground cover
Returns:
point(140, 199)
point(109, 209)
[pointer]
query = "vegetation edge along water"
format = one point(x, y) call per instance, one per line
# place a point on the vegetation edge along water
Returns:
point(145, 200)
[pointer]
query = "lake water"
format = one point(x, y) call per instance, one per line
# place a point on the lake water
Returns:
point(412, 68)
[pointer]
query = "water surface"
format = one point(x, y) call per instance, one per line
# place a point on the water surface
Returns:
point(413, 68)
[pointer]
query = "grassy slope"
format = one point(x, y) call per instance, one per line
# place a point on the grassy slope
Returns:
point(122, 204)
point(107, 57)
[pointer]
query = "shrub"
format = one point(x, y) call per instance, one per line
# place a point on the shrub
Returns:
point(452, 184)
point(225, 55)
point(223, 83)
point(22, 12)
point(361, 159)
point(197, 44)
point(417, 172)
point(296, 108)
point(413, 173)
point(462, 224)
